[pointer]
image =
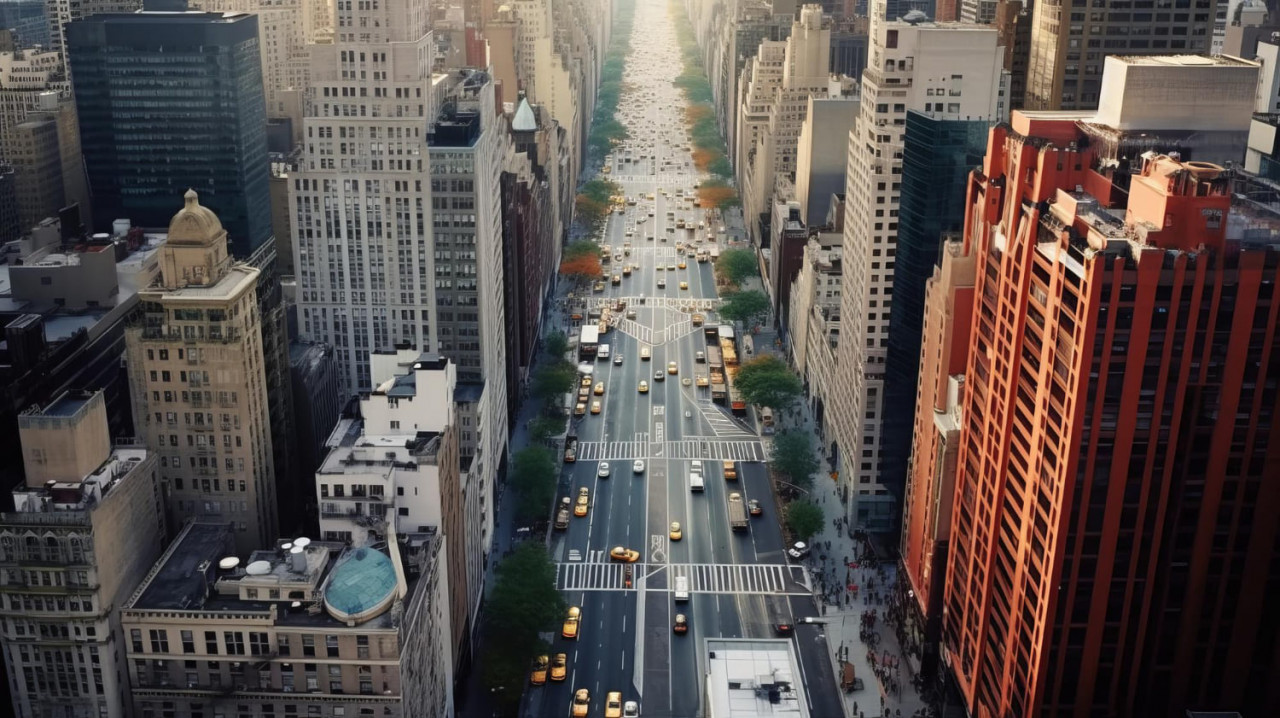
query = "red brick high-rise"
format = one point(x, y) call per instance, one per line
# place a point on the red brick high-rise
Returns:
point(1114, 544)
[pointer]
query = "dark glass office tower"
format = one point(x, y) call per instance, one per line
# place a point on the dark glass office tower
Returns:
point(937, 156)
point(170, 102)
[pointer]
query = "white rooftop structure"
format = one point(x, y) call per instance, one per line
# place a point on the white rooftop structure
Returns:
point(753, 678)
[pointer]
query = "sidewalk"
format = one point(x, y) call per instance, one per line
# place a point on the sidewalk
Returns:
point(858, 628)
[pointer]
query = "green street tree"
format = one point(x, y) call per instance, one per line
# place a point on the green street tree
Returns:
point(749, 307)
point(804, 518)
point(580, 248)
point(534, 474)
point(545, 427)
point(524, 602)
point(556, 344)
point(738, 264)
point(794, 457)
point(552, 380)
point(768, 381)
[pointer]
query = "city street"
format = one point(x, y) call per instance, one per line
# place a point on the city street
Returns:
point(740, 583)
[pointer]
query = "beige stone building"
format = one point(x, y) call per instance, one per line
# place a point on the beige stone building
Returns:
point(86, 527)
point(198, 384)
point(300, 629)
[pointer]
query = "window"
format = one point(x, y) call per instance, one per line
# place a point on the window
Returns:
point(331, 646)
point(211, 642)
point(159, 641)
point(135, 639)
point(308, 645)
point(188, 642)
point(259, 644)
point(235, 643)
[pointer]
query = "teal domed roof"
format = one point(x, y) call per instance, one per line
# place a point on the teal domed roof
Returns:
point(361, 586)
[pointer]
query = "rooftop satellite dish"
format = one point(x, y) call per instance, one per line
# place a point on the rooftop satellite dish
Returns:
point(228, 563)
point(302, 541)
point(258, 568)
point(286, 546)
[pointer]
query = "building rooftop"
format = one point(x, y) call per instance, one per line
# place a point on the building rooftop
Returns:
point(297, 582)
point(65, 496)
point(750, 678)
point(1185, 60)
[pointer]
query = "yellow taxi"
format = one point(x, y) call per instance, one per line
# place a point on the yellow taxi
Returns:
point(586, 381)
point(682, 265)
point(702, 380)
point(600, 389)
point(581, 703)
point(613, 705)
point(624, 554)
point(559, 667)
point(583, 503)
point(580, 409)
point(676, 532)
point(571, 620)
point(538, 675)
point(684, 285)
point(595, 407)
point(643, 388)
point(616, 280)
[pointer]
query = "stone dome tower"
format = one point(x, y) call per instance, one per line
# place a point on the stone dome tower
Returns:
point(195, 253)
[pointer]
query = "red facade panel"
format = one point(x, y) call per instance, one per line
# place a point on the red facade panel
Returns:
point(1119, 443)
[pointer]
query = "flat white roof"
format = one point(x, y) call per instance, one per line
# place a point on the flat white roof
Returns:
point(754, 678)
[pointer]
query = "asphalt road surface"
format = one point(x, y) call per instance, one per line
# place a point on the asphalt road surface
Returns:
point(741, 583)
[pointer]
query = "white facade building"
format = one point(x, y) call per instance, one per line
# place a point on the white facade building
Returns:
point(952, 70)
point(806, 60)
point(361, 200)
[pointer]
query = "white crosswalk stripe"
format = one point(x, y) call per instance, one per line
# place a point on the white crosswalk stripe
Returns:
point(710, 449)
point(721, 424)
point(599, 574)
point(630, 327)
point(614, 450)
point(679, 303)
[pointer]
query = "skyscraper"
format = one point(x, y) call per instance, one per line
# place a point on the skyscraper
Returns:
point(952, 71)
point(1113, 544)
point(204, 128)
point(361, 199)
point(199, 383)
point(937, 155)
point(1069, 43)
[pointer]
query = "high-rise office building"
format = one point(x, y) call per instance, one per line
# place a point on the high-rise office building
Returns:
point(930, 485)
point(87, 525)
point(1113, 543)
point(937, 156)
point(361, 199)
point(768, 175)
point(200, 78)
point(199, 384)
point(952, 71)
point(1069, 44)
point(61, 13)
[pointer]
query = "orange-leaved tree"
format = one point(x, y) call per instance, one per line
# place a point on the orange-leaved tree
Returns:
point(716, 197)
point(583, 267)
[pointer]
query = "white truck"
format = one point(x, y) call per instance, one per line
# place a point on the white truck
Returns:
point(682, 588)
point(695, 476)
point(737, 512)
point(603, 352)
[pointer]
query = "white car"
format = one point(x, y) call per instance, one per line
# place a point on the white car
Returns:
point(631, 709)
point(799, 550)
point(603, 471)
point(638, 466)
point(617, 360)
